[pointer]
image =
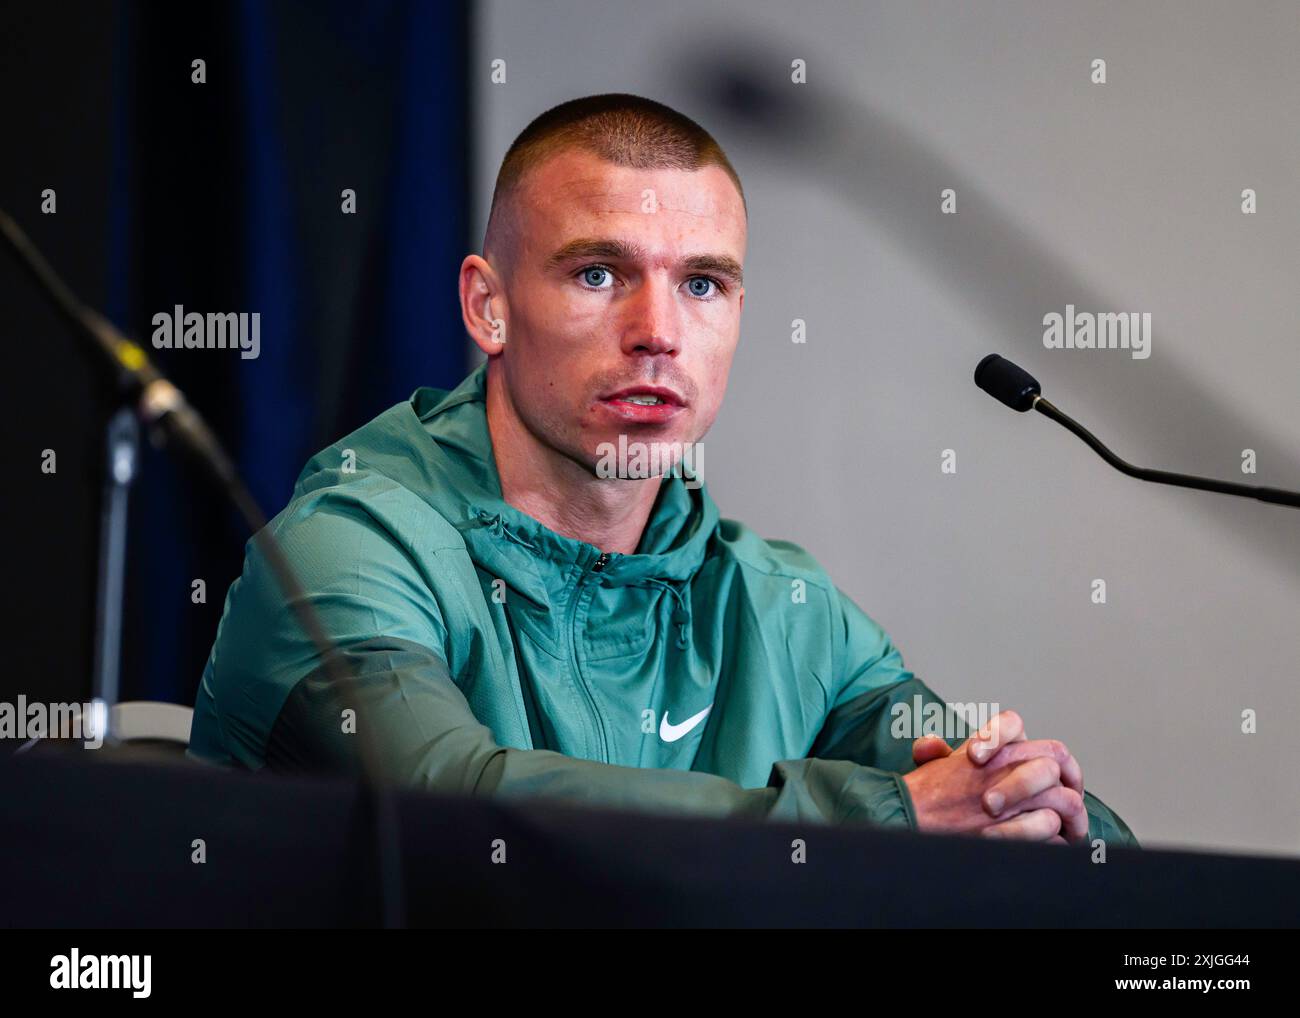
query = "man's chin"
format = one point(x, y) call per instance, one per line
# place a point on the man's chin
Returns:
point(641, 453)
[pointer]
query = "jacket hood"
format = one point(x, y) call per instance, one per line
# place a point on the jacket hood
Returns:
point(438, 446)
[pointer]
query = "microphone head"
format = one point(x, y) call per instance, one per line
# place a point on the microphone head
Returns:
point(1007, 382)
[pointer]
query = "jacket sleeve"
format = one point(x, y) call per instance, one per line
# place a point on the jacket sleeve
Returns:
point(866, 722)
point(427, 737)
point(266, 701)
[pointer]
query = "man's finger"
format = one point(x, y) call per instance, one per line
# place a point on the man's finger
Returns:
point(929, 747)
point(1068, 804)
point(1019, 752)
point(1002, 729)
point(1037, 825)
point(1023, 782)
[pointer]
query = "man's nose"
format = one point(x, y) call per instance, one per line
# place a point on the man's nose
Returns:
point(652, 325)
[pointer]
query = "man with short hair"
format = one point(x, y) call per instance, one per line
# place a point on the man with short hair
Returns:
point(531, 588)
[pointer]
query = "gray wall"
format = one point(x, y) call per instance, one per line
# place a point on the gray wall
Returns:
point(1122, 197)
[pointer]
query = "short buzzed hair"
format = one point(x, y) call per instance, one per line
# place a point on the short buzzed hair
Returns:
point(627, 130)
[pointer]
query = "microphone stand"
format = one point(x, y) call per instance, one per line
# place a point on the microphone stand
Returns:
point(162, 407)
point(123, 448)
point(1276, 496)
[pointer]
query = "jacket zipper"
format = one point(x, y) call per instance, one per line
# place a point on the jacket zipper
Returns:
point(596, 567)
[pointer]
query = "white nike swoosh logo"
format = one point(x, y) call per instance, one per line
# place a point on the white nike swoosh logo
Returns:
point(671, 733)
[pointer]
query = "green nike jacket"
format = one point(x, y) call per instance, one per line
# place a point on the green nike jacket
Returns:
point(712, 672)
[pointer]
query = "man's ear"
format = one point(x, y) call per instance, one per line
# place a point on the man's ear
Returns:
point(483, 305)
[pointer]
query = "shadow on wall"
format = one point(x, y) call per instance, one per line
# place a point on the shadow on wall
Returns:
point(891, 176)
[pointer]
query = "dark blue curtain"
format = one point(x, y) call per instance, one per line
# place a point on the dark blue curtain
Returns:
point(227, 197)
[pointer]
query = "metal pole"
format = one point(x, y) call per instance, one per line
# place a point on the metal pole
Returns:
point(123, 453)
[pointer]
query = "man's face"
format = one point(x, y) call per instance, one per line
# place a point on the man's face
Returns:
point(624, 288)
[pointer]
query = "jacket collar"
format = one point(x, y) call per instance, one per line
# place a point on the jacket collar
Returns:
point(460, 480)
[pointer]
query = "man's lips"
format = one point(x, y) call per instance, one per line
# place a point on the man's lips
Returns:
point(625, 409)
point(668, 396)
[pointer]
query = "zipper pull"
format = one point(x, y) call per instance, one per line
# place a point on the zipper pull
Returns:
point(601, 562)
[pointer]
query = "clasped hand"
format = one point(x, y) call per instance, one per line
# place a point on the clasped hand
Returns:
point(999, 784)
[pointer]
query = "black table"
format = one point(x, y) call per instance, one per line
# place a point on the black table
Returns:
point(95, 840)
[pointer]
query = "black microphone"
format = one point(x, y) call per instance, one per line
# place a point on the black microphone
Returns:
point(1011, 384)
point(1007, 382)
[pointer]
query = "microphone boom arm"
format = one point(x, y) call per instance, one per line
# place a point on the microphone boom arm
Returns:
point(1275, 496)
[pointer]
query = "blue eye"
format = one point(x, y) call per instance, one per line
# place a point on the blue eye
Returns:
point(595, 276)
point(701, 286)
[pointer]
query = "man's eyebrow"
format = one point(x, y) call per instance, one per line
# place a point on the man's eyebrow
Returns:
point(598, 247)
point(718, 265)
point(594, 247)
